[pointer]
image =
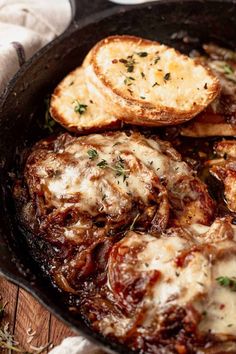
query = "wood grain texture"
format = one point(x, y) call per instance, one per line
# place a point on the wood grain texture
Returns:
point(8, 295)
point(58, 330)
point(25, 315)
point(31, 317)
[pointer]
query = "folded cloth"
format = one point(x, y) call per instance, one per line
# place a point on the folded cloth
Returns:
point(76, 345)
point(25, 27)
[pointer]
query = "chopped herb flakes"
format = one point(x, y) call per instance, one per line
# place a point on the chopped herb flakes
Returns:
point(156, 84)
point(143, 75)
point(102, 164)
point(157, 60)
point(129, 63)
point(93, 154)
point(80, 108)
point(142, 54)
point(227, 282)
point(167, 76)
point(128, 80)
point(143, 98)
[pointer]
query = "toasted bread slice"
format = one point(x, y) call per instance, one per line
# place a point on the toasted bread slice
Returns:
point(146, 83)
point(219, 118)
point(72, 107)
point(208, 124)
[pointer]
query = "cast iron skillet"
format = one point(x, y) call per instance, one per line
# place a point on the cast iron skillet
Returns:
point(22, 105)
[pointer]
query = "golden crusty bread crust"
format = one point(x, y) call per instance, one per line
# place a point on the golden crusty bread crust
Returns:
point(69, 94)
point(143, 82)
point(208, 124)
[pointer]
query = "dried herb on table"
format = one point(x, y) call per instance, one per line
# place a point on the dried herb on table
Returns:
point(8, 342)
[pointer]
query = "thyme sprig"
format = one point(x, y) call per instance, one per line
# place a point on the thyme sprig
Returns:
point(8, 342)
point(118, 167)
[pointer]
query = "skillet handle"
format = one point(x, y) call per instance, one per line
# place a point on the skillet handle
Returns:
point(83, 8)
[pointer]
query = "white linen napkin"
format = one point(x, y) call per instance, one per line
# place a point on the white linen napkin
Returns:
point(76, 345)
point(25, 27)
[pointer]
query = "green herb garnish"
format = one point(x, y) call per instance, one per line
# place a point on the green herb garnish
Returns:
point(129, 63)
point(227, 282)
point(93, 154)
point(128, 80)
point(102, 164)
point(80, 108)
point(120, 169)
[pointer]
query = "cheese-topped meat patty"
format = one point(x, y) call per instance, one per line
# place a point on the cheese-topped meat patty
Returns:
point(224, 169)
point(181, 292)
point(219, 118)
point(84, 190)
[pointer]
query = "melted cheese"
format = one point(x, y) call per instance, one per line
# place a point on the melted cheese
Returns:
point(192, 283)
point(95, 189)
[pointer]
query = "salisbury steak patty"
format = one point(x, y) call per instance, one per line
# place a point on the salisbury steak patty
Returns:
point(80, 194)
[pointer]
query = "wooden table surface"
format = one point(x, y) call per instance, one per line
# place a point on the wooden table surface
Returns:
point(25, 315)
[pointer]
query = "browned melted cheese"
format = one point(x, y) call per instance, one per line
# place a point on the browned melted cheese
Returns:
point(177, 270)
point(126, 171)
point(224, 169)
point(83, 194)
